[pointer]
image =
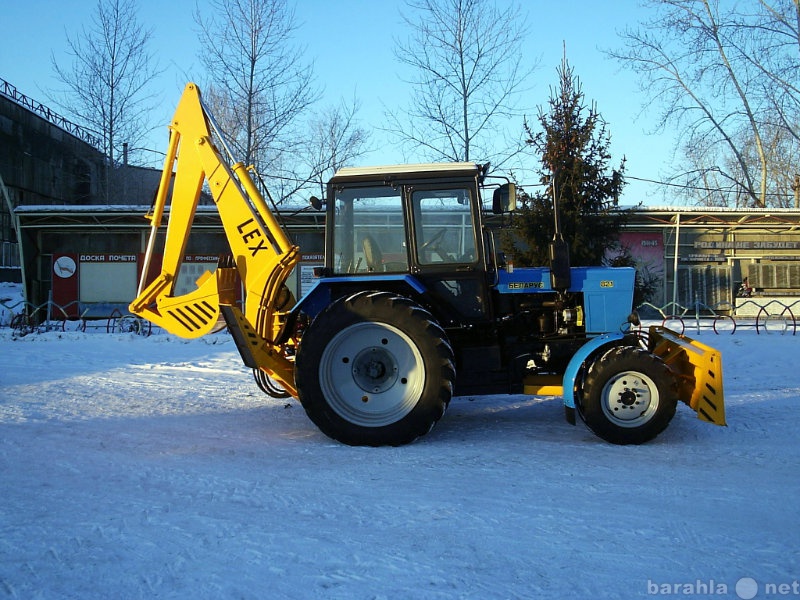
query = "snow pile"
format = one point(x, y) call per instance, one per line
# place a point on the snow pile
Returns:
point(139, 467)
point(11, 301)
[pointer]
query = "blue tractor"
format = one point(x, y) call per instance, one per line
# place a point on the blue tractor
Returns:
point(415, 306)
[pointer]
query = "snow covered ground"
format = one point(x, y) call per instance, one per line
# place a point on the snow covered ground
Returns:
point(135, 467)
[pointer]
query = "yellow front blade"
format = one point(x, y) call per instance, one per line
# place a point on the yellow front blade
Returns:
point(699, 371)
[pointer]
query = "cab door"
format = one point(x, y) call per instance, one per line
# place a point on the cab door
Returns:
point(447, 250)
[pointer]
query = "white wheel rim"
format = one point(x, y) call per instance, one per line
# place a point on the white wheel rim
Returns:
point(371, 374)
point(630, 399)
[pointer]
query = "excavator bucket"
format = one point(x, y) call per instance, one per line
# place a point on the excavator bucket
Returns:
point(190, 315)
point(699, 371)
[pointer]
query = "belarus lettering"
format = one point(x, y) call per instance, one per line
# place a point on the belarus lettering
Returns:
point(524, 285)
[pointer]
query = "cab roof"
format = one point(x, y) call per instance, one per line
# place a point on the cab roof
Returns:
point(408, 171)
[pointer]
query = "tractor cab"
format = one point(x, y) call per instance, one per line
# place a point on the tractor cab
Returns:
point(420, 222)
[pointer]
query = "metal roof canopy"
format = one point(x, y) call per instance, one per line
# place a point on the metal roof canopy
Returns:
point(72, 216)
point(133, 217)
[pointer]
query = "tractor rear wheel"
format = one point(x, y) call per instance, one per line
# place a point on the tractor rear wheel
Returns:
point(374, 369)
point(629, 396)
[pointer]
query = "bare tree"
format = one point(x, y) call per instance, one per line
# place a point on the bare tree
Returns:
point(468, 77)
point(770, 43)
point(260, 84)
point(334, 140)
point(725, 74)
point(106, 81)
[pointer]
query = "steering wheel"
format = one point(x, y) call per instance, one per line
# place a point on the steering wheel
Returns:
point(434, 241)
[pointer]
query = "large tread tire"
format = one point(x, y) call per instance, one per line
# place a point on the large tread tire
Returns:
point(629, 396)
point(374, 369)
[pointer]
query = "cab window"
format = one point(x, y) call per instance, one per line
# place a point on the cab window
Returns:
point(444, 228)
point(369, 232)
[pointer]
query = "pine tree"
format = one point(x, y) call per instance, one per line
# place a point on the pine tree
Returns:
point(573, 146)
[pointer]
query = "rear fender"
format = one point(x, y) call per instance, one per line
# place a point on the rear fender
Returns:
point(324, 290)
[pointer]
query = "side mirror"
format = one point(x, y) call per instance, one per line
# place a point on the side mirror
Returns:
point(316, 202)
point(504, 199)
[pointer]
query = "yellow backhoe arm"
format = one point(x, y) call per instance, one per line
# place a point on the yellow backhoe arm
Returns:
point(263, 256)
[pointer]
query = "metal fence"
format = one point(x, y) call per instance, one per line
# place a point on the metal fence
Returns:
point(763, 315)
point(11, 92)
point(24, 318)
point(770, 316)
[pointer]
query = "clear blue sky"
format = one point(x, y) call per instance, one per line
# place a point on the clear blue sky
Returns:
point(351, 45)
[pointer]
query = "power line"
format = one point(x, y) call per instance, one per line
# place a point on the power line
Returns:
point(681, 186)
point(694, 188)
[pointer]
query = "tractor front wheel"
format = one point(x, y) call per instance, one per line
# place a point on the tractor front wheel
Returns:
point(629, 396)
point(374, 369)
